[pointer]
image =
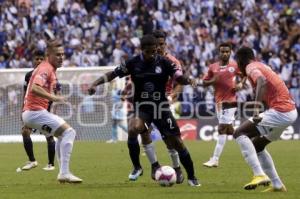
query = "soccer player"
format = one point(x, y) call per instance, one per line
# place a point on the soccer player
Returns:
point(35, 115)
point(149, 74)
point(27, 142)
point(222, 76)
point(172, 89)
point(256, 133)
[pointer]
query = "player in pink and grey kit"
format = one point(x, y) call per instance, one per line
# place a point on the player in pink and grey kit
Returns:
point(255, 134)
point(222, 76)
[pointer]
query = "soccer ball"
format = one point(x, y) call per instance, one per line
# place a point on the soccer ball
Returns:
point(165, 176)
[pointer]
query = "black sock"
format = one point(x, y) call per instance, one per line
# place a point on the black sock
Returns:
point(134, 152)
point(187, 163)
point(51, 150)
point(27, 142)
point(155, 165)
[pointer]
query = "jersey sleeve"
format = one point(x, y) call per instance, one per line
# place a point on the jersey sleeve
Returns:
point(254, 73)
point(122, 70)
point(172, 69)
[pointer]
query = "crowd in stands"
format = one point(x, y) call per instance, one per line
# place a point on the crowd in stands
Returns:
point(101, 33)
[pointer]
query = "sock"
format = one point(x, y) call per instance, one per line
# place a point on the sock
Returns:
point(66, 146)
point(150, 152)
point(174, 157)
point(51, 150)
point(134, 152)
point(28, 146)
point(268, 166)
point(187, 163)
point(114, 132)
point(219, 146)
point(57, 150)
point(249, 154)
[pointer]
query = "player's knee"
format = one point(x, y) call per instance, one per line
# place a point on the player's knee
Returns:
point(222, 129)
point(176, 143)
point(50, 139)
point(258, 147)
point(237, 133)
point(146, 138)
point(70, 134)
point(26, 131)
point(136, 129)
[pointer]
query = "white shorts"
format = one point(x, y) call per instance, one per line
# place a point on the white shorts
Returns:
point(226, 116)
point(47, 123)
point(274, 123)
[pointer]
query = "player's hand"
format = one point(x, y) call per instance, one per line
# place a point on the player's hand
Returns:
point(92, 90)
point(60, 99)
point(193, 83)
point(256, 118)
point(238, 87)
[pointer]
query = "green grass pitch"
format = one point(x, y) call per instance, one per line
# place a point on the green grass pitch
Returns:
point(105, 167)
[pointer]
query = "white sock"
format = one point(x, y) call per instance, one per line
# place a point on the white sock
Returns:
point(66, 147)
point(150, 152)
point(219, 146)
point(174, 157)
point(249, 154)
point(57, 150)
point(268, 166)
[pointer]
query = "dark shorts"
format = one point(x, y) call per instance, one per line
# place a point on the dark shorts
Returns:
point(164, 121)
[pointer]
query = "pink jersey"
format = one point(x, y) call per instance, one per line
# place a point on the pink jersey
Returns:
point(226, 81)
point(277, 95)
point(44, 75)
point(170, 83)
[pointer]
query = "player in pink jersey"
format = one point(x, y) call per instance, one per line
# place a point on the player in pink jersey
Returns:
point(222, 76)
point(35, 115)
point(254, 134)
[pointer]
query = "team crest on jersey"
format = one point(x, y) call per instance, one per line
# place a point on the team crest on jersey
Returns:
point(231, 69)
point(158, 69)
point(149, 86)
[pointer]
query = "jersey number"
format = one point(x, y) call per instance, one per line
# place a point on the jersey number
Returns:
point(170, 122)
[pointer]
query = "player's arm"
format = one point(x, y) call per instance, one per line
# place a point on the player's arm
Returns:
point(174, 95)
point(260, 90)
point(107, 77)
point(41, 92)
point(184, 80)
point(240, 84)
point(208, 80)
point(120, 71)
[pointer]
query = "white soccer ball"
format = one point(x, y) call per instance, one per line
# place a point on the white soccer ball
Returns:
point(165, 176)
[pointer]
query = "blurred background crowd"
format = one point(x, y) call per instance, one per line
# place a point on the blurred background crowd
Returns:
point(103, 32)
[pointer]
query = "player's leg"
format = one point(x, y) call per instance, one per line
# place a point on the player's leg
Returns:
point(67, 135)
point(28, 146)
point(150, 151)
point(114, 131)
point(267, 164)
point(175, 162)
point(51, 153)
point(225, 118)
point(243, 135)
point(168, 127)
point(136, 127)
point(222, 130)
point(50, 125)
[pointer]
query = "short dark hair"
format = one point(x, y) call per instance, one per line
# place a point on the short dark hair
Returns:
point(245, 53)
point(39, 53)
point(225, 44)
point(160, 34)
point(148, 40)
